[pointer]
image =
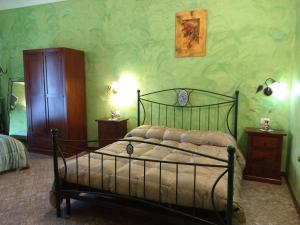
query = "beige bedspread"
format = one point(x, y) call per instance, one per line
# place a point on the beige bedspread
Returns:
point(210, 143)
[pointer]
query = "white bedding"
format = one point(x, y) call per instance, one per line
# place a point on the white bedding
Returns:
point(210, 143)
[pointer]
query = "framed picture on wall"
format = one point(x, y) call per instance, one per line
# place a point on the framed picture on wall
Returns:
point(191, 33)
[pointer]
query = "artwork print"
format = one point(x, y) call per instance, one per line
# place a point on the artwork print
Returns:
point(191, 33)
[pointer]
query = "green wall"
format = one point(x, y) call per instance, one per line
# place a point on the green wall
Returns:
point(293, 169)
point(247, 42)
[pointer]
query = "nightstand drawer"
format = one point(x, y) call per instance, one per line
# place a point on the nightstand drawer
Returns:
point(263, 171)
point(109, 130)
point(265, 142)
point(263, 154)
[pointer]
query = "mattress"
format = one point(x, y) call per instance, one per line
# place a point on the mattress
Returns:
point(13, 154)
point(161, 186)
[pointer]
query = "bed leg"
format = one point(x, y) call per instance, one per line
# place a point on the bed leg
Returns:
point(58, 210)
point(68, 205)
point(231, 152)
point(56, 175)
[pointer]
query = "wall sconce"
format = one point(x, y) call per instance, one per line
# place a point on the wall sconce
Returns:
point(115, 87)
point(122, 93)
point(266, 87)
point(2, 72)
point(113, 91)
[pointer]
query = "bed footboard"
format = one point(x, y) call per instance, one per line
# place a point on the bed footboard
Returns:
point(65, 190)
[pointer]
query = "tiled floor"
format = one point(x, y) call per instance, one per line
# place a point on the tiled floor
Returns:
point(24, 200)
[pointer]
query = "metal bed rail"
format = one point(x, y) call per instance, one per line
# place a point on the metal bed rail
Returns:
point(63, 190)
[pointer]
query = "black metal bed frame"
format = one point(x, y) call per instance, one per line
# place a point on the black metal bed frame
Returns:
point(67, 191)
point(168, 114)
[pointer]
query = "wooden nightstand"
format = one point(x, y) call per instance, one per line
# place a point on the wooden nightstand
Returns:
point(264, 155)
point(111, 129)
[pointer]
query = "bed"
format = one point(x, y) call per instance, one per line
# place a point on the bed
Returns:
point(13, 154)
point(183, 162)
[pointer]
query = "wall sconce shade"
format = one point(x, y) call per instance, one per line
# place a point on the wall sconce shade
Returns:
point(267, 90)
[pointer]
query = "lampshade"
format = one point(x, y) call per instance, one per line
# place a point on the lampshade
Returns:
point(268, 91)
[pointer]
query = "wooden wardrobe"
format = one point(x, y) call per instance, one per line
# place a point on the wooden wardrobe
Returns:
point(55, 96)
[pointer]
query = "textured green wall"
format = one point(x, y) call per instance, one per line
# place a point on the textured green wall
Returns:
point(247, 42)
point(293, 168)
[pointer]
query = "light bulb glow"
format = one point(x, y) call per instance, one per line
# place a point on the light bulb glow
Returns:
point(280, 90)
point(126, 91)
point(295, 89)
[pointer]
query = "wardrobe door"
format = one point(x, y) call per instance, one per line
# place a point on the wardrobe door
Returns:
point(55, 91)
point(35, 96)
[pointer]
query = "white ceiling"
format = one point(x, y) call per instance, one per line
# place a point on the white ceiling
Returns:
point(12, 4)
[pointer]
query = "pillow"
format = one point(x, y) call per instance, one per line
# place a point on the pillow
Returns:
point(173, 134)
point(139, 131)
point(156, 132)
point(215, 138)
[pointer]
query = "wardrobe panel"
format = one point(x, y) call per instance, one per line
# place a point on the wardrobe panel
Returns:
point(35, 73)
point(54, 74)
point(55, 91)
point(35, 97)
point(38, 117)
point(56, 115)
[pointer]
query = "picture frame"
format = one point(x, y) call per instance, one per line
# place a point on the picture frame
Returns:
point(191, 28)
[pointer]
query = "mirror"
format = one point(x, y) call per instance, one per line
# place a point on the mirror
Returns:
point(17, 108)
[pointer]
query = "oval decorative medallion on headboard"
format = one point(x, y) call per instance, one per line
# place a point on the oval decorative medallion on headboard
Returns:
point(183, 97)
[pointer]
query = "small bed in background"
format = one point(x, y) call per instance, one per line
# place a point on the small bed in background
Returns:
point(13, 154)
point(183, 161)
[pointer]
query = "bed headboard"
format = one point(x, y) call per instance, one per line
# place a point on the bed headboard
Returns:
point(197, 110)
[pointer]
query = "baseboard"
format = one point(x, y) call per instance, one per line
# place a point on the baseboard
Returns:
point(44, 151)
point(263, 179)
point(292, 194)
